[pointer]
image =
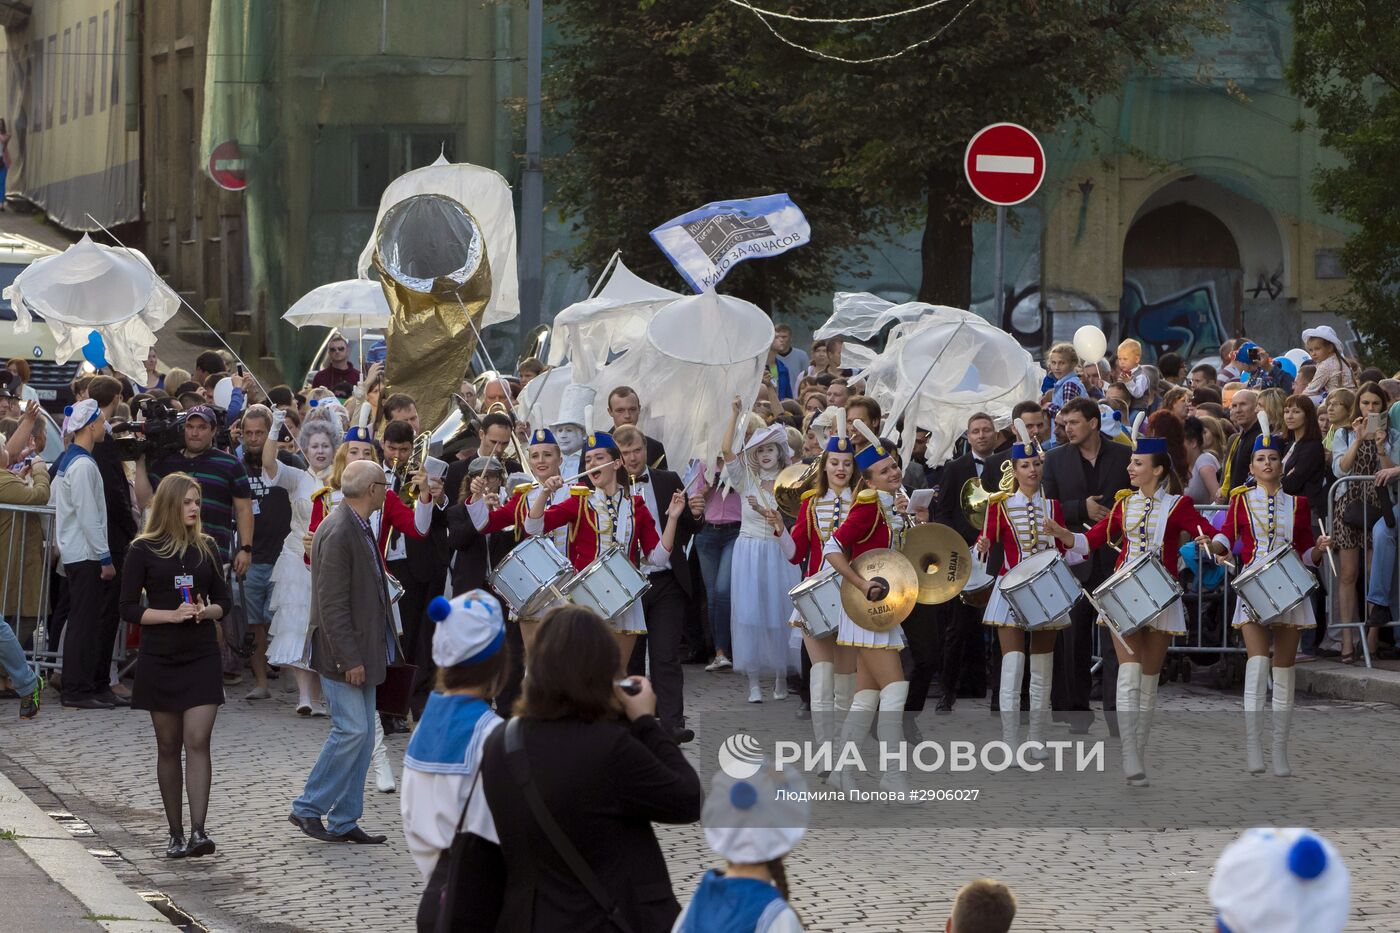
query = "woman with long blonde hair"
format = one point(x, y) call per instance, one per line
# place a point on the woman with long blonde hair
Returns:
point(179, 678)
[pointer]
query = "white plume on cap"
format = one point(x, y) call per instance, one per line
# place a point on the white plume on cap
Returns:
point(1023, 432)
point(1264, 424)
point(868, 434)
point(841, 422)
point(1137, 427)
point(362, 416)
point(588, 419)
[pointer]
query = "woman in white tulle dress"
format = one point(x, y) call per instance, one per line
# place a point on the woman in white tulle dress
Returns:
point(290, 602)
point(760, 574)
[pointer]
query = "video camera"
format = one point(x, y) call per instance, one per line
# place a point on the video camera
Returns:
point(161, 431)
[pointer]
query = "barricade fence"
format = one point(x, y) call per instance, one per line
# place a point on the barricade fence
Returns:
point(28, 555)
point(1370, 517)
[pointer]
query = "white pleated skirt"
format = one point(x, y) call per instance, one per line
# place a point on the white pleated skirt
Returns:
point(1000, 613)
point(290, 606)
point(1171, 620)
point(760, 577)
point(1300, 616)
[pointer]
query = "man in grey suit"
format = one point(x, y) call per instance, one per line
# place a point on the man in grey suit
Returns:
point(1085, 476)
point(351, 646)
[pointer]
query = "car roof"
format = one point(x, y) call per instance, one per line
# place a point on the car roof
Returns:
point(15, 248)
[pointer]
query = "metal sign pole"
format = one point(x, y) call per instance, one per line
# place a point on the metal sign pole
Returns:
point(1000, 286)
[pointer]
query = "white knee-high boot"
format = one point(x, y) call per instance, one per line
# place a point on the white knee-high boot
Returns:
point(1041, 666)
point(853, 733)
point(383, 772)
point(1283, 718)
point(1129, 691)
point(823, 719)
point(1256, 686)
point(890, 731)
point(1147, 705)
point(1013, 668)
point(842, 689)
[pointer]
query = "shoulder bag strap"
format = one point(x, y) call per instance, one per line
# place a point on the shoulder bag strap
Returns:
point(447, 904)
point(520, 771)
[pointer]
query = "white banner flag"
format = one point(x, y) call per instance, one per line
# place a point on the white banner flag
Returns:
point(709, 241)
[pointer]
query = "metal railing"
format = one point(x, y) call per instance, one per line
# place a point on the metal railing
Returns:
point(29, 544)
point(1339, 486)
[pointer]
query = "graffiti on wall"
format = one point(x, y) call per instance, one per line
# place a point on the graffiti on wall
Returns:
point(1186, 322)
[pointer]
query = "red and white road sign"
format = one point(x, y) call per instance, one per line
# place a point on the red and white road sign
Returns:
point(1004, 163)
point(226, 166)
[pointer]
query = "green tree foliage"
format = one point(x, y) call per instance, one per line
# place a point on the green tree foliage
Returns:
point(1346, 67)
point(675, 103)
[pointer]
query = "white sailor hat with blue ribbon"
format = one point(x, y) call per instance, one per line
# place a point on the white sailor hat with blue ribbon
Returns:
point(752, 819)
point(1280, 881)
point(470, 628)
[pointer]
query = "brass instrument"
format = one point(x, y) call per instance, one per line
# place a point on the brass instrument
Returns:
point(408, 490)
point(794, 480)
point(974, 498)
point(521, 457)
point(534, 345)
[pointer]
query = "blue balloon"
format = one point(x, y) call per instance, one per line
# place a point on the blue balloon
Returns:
point(95, 351)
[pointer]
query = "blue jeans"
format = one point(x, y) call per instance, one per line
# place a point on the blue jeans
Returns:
point(1382, 564)
point(257, 589)
point(335, 789)
point(14, 663)
point(716, 548)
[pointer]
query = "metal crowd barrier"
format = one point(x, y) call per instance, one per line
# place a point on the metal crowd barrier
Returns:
point(16, 587)
point(1339, 486)
point(1229, 642)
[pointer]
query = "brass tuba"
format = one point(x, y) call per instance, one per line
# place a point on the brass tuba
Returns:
point(430, 254)
point(792, 482)
point(974, 498)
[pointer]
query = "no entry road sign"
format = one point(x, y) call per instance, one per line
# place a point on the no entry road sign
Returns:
point(1004, 163)
point(226, 166)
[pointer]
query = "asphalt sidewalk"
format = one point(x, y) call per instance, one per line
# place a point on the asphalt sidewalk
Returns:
point(55, 883)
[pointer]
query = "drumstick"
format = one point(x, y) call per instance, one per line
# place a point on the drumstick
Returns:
point(1331, 561)
point(600, 466)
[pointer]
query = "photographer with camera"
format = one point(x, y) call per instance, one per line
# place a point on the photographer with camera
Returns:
point(1260, 371)
point(228, 496)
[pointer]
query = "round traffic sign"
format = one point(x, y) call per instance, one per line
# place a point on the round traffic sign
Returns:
point(1004, 163)
point(226, 166)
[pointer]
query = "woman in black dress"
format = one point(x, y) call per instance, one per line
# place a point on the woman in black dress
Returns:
point(178, 673)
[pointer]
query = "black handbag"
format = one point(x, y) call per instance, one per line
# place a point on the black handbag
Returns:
point(466, 891)
point(520, 770)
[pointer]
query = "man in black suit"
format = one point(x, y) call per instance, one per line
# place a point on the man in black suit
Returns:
point(962, 644)
point(625, 408)
point(671, 587)
point(1085, 475)
point(497, 429)
point(1244, 415)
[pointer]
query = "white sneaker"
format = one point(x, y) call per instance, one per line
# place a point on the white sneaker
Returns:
point(304, 708)
point(319, 710)
point(780, 689)
point(720, 663)
point(755, 693)
point(258, 693)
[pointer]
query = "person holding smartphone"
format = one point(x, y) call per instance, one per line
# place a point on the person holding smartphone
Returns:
point(178, 670)
point(1360, 449)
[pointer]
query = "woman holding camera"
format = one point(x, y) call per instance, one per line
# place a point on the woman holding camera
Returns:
point(604, 769)
point(179, 676)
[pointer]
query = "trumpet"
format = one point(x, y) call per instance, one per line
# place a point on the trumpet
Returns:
point(792, 482)
point(403, 470)
point(520, 456)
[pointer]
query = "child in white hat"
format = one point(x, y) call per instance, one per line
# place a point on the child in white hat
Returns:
point(752, 823)
point(1280, 881)
point(442, 764)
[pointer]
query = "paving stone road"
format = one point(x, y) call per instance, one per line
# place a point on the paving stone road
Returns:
point(267, 878)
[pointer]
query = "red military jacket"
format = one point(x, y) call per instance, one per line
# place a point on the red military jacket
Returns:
point(582, 519)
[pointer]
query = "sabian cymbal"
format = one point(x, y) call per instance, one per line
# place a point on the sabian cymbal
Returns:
point(893, 569)
point(942, 560)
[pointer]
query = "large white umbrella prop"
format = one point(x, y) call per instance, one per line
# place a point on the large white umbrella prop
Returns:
point(698, 353)
point(88, 287)
point(941, 368)
point(357, 303)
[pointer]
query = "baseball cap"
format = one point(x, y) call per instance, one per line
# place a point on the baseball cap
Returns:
point(202, 411)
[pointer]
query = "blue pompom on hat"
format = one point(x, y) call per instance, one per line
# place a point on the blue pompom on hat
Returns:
point(1288, 880)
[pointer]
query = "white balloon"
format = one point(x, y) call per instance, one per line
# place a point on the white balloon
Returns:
point(1090, 344)
point(223, 392)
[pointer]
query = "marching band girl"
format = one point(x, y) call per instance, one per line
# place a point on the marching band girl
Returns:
point(1149, 520)
point(605, 515)
point(544, 459)
point(823, 507)
point(760, 576)
point(878, 519)
point(1015, 520)
point(1261, 519)
point(413, 523)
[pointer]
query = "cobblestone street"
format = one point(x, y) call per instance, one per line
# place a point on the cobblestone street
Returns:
point(99, 766)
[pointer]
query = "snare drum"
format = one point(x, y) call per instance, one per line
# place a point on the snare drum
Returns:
point(1041, 589)
point(1136, 594)
point(1274, 584)
point(609, 586)
point(531, 576)
point(817, 600)
point(979, 586)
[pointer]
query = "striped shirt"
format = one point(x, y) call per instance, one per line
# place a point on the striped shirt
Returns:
point(222, 479)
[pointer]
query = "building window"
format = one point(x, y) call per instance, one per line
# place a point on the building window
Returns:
point(63, 92)
point(422, 149)
point(50, 87)
point(90, 82)
point(116, 52)
point(371, 168)
point(106, 51)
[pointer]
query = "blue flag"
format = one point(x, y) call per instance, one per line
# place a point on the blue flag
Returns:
point(707, 242)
